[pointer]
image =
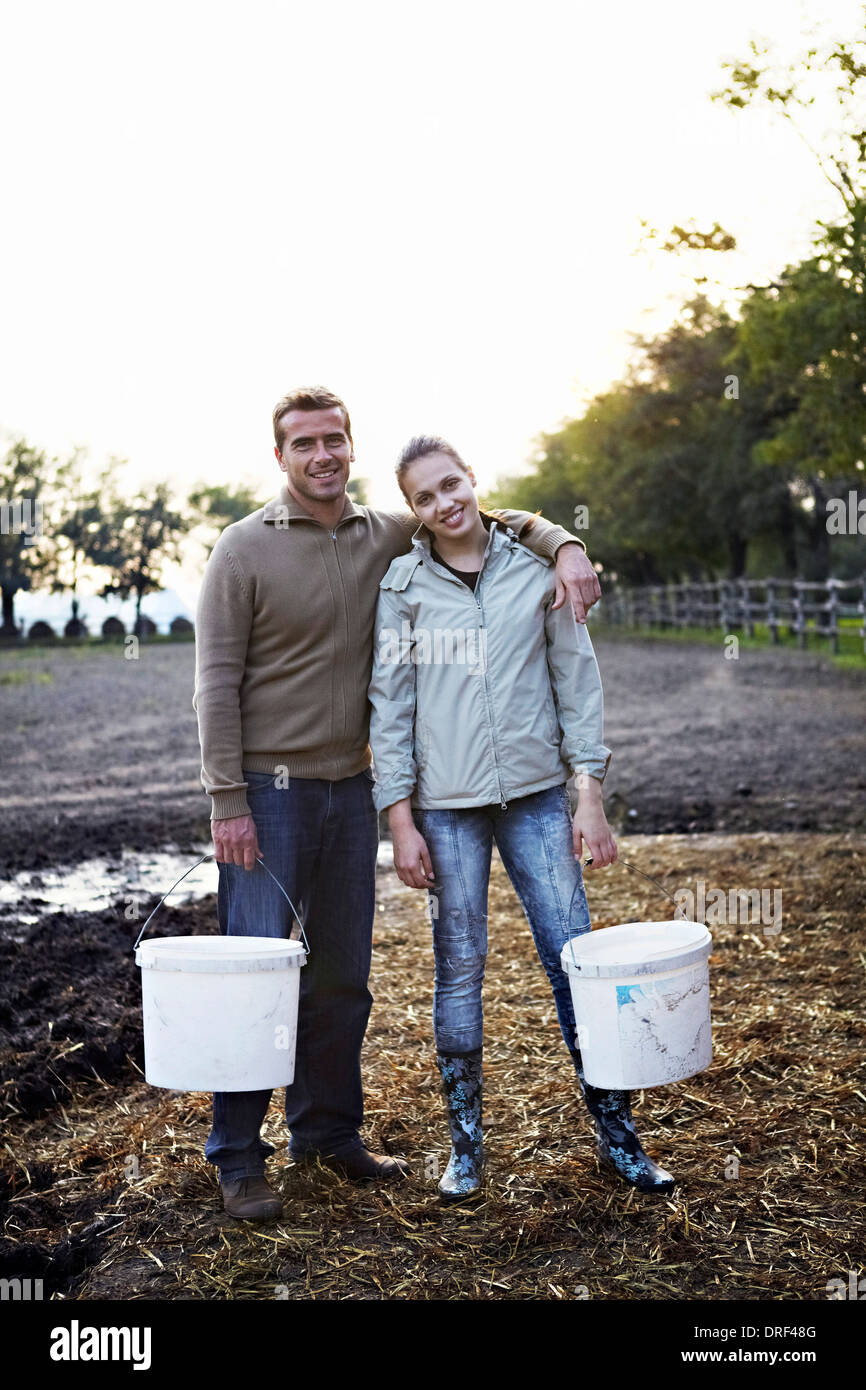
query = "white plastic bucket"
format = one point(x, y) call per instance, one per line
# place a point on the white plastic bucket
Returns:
point(641, 995)
point(220, 1012)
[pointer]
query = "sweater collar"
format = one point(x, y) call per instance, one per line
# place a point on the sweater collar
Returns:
point(284, 507)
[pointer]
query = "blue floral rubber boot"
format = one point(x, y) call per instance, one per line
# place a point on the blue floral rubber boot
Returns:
point(618, 1145)
point(461, 1083)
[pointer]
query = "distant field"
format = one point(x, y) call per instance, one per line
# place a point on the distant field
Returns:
point(851, 654)
point(102, 752)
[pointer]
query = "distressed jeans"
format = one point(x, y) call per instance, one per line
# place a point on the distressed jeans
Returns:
point(534, 838)
point(319, 838)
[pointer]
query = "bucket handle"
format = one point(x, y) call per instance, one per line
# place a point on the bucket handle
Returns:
point(203, 860)
point(587, 863)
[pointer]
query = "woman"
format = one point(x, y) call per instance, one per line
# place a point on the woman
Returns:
point(484, 700)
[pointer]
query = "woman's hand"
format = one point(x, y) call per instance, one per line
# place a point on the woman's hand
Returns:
point(590, 827)
point(412, 858)
point(411, 855)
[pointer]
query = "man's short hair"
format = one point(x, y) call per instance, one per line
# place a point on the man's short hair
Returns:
point(307, 398)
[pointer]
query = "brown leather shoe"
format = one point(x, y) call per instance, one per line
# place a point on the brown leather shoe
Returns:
point(362, 1166)
point(251, 1199)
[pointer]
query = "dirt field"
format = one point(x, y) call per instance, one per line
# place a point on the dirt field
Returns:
point(102, 753)
point(104, 1192)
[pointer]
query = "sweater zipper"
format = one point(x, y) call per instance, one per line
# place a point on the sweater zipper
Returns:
point(346, 608)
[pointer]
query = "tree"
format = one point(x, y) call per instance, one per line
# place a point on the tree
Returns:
point(664, 461)
point(784, 89)
point(77, 523)
point(136, 539)
point(25, 476)
point(219, 504)
point(804, 336)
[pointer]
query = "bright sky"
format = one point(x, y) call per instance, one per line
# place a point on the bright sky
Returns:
point(432, 209)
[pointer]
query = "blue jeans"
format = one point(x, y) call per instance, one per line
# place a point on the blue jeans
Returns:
point(319, 838)
point(534, 838)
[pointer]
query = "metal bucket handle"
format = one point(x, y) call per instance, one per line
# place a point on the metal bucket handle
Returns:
point(203, 860)
point(627, 865)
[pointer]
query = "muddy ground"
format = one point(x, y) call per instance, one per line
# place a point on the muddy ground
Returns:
point(104, 1192)
point(101, 753)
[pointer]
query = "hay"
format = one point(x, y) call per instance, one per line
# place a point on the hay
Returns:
point(108, 1194)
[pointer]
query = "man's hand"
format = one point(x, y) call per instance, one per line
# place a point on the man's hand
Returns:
point(576, 580)
point(235, 841)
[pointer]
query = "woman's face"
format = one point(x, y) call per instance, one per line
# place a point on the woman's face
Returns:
point(442, 495)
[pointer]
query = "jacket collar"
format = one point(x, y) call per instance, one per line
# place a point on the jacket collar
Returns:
point(500, 535)
point(284, 507)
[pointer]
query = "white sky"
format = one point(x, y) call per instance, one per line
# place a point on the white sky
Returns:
point(433, 209)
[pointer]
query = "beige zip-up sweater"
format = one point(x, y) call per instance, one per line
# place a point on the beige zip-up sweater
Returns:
point(284, 641)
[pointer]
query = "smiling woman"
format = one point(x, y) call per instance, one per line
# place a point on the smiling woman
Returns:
point(472, 753)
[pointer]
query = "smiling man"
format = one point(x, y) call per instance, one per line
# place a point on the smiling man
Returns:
point(284, 652)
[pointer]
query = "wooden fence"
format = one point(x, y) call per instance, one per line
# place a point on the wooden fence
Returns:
point(804, 609)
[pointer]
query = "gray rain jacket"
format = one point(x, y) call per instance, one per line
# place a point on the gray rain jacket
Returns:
point(479, 698)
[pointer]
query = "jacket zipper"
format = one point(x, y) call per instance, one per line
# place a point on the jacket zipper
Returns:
point(502, 801)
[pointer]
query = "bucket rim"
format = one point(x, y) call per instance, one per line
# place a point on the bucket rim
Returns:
point(214, 955)
point(577, 961)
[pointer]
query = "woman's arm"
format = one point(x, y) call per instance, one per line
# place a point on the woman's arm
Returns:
point(392, 739)
point(392, 701)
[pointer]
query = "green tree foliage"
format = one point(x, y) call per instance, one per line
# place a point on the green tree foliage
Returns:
point(220, 504)
point(217, 505)
point(664, 461)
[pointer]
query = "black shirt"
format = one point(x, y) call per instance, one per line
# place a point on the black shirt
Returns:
point(469, 577)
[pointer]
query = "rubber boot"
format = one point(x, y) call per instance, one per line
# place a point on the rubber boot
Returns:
point(617, 1143)
point(462, 1086)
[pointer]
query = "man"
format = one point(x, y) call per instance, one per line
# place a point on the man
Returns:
point(284, 648)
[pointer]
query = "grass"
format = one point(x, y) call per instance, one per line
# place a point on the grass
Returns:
point(26, 678)
point(82, 647)
point(851, 655)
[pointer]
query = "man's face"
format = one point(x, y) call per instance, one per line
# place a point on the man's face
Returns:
point(316, 454)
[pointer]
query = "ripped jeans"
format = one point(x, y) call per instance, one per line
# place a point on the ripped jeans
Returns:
point(534, 838)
